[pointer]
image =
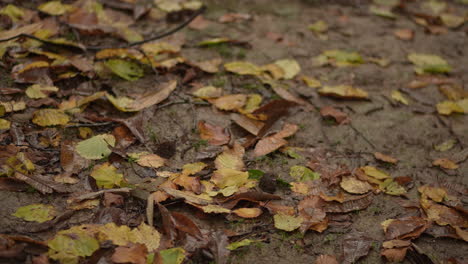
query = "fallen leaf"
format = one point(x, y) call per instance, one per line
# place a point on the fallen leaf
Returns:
point(398, 97)
point(287, 222)
point(213, 208)
point(301, 173)
point(311, 82)
point(172, 255)
point(290, 68)
point(276, 141)
point(404, 228)
point(241, 243)
point(208, 92)
point(394, 254)
point(106, 176)
point(127, 70)
point(36, 213)
point(67, 246)
point(449, 107)
point(50, 117)
point(355, 246)
point(96, 147)
point(4, 124)
point(251, 125)
point(343, 91)
point(339, 116)
point(54, 8)
point(243, 68)
point(445, 164)
point(233, 17)
point(355, 186)
point(135, 254)
point(230, 102)
point(248, 212)
point(150, 160)
point(375, 173)
point(37, 91)
point(428, 63)
point(341, 58)
point(215, 135)
point(210, 66)
point(385, 158)
point(193, 168)
point(124, 236)
point(404, 34)
point(451, 20)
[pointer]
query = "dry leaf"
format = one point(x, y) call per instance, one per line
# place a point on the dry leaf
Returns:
point(230, 102)
point(215, 135)
point(385, 158)
point(343, 91)
point(248, 212)
point(445, 163)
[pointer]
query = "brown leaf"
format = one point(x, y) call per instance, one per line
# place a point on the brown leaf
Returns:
point(111, 200)
point(394, 254)
point(12, 185)
point(215, 135)
point(360, 202)
point(251, 125)
point(404, 228)
point(135, 254)
point(276, 141)
point(339, 116)
point(230, 102)
point(154, 97)
point(445, 164)
point(253, 196)
point(385, 158)
point(186, 225)
point(233, 17)
point(123, 137)
point(404, 34)
point(355, 246)
point(199, 23)
point(326, 259)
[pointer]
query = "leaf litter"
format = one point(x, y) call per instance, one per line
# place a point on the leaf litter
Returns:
point(61, 138)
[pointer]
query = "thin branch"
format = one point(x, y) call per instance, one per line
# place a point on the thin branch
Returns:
point(96, 48)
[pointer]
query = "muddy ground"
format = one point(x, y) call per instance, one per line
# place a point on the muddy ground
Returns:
point(377, 124)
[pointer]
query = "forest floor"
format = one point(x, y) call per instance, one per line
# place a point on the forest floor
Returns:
point(324, 173)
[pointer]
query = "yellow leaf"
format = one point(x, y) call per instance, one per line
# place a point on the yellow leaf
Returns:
point(67, 246)
point(50, 117)
point(96, 147)
point(193, 168)
point(4, 124)
point(146, 159)
point(311, 82)
point(375, 173)
point(55, 8)
point(253, 102)
point(36, 213)
point(243, 68)
point(230, 102)
point(13, 106)
point(449, 107)
point(106, 176)
point(229, 177)
point(37, 91)
point(355, 186)
point(156, 48)
point(445, 163)
point(290, 67)
point(213, 208)
point(231, 158)
point(208, 92)
point(398, 96)
point(344, 91)
point(287, 222)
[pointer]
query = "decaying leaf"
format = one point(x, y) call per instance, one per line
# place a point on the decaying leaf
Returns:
point(36, 212)
point(208, 92)
point(230, 102)
point(243, 68)
point(375, 173)
point(449, 107)
point(215, 135)
point(127, 70)
point(241, 243)
point(385, 158)
point(96, 147)
point(428, 63)
point(290, 68)
point(398, 97)
point(50, 117)
point(339, 116)
point(301, 173)
point(106, 176)
point(67, 246)
point(287, 222)
point(135, 254)
point(274, 142)
point(355, 246)
point(37, 91)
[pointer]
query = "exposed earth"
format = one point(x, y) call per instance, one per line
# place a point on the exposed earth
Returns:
point(333, 146)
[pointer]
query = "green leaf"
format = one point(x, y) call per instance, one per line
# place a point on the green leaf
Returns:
point(301, 173)
point(36, 213)
point(283, 183)
point(446, 145)
point(287, 222)
point(255, 174)
point(428, 63)
point(172, 255)
point(96, 147)
point(241, 243)
point(343, 58)
point(106, 176)
point(127, 70)
point(69, 245)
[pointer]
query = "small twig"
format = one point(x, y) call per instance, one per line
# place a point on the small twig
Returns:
point(90, 125)
point(362, 136)
point(88, 196)
point(97, 48)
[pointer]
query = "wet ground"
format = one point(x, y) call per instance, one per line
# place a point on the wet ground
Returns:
point(279, 30)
